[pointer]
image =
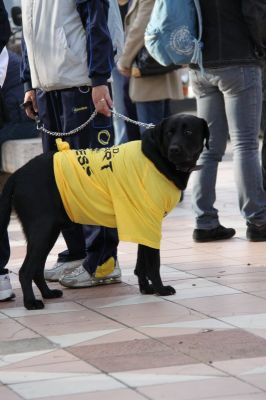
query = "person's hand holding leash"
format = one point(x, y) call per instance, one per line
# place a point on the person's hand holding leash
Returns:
point(30, 104)
point(102, 100)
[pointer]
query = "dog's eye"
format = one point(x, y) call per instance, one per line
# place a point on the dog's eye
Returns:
point(188, 132)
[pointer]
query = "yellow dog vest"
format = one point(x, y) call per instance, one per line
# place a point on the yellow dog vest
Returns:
point(115, 187)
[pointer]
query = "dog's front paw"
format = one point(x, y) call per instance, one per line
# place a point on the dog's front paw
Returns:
point(34, 305)
point(53, 294)
point(166, 291)
point(147, 289)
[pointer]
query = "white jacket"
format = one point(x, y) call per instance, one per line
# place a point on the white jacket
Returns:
point(55, 34)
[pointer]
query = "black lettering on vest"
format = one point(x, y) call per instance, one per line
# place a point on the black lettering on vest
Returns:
point(88, 171)
point(83, 160)
point(110, 165)
point(107, 155)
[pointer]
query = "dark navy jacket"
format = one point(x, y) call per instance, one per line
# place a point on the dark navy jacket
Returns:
point(13, 90)
point(226, 35)
point(93, 14)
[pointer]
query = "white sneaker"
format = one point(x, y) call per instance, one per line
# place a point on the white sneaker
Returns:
point(81, 278)
point(60, 268)
point(6, 291)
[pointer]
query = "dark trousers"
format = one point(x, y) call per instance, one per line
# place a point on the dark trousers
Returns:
point(62, 111)
point(152, 111)
point(5, 253)
point(263, 127)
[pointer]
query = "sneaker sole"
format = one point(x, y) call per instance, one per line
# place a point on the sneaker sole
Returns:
point(212, 239)
point(51, 279)
point(6, 295)
point(93, 283)
point(56, 279)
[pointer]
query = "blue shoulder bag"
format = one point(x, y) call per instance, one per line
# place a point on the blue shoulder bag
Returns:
point(173, 34)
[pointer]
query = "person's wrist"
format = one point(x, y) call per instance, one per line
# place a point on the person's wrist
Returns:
point(27, 87)
point(99, 81)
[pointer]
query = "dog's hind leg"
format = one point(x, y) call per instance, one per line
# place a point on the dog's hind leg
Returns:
point(26, 273)
point(40, 241)
point(150, 263)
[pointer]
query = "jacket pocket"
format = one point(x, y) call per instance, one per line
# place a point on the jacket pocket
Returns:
point(63, 46)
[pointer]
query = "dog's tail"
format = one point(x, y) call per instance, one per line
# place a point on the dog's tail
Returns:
point(5, 213)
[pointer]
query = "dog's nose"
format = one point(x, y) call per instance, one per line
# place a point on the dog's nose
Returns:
point(175, 150)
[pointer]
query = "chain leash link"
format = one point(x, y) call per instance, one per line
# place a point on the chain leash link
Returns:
point(127, 119)
point(81, 127)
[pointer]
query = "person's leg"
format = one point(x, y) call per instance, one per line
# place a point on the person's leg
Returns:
point(243, 98)
point(51, 114)
point(101, 242)
point(210, 106)
point(263, 127)
point(133, 132)
point(152, 111)
point(118, 100)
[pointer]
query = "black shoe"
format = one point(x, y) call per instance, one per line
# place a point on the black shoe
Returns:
point(209, 235)
point(256, 233)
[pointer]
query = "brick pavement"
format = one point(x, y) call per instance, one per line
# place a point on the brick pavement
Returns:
point(206, 342)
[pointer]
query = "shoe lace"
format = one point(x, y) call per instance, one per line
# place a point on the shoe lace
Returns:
point(77, 271)
point(58, 264)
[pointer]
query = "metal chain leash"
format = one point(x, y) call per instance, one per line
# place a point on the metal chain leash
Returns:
point(81, 127)
point(72, 132)
point(127, 119)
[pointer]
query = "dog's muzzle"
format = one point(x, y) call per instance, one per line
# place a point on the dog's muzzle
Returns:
point(183, 162)
point(188, 169)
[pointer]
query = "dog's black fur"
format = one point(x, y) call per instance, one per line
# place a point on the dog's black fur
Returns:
point(173, 146)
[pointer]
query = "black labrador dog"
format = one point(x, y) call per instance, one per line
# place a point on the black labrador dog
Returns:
point(173, 147)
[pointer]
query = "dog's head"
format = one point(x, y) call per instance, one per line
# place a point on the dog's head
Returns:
point(180, 139)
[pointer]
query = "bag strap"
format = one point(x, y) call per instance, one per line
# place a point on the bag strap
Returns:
point(197, 55)
point(198, 9)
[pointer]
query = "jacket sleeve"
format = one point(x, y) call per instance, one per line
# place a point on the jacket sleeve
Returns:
point(135, 32)
point(5, 30)
point(254, 12)
point(94, 15)
point(115, 26)
point(25, 67)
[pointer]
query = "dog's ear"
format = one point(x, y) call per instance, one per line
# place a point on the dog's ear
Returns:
point(206, 133)
point(156, 133)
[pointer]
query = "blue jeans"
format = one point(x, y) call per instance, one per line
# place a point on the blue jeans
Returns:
point(152, 111)
point(263, 127)
point(119, 105)
point(229, 99)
